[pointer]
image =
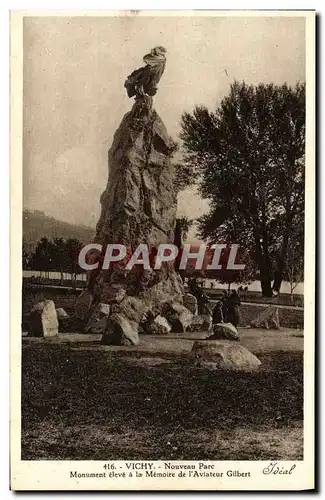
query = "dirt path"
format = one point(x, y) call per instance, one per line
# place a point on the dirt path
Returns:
point(256, 340)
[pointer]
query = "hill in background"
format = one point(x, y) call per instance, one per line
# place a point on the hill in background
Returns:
point(37, 224)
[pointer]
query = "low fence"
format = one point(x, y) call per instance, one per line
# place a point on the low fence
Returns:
point(284, 299)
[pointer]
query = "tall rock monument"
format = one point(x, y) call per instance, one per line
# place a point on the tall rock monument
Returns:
point(138, 206)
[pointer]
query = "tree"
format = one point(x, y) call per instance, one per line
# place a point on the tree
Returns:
point(183, 179)
point(182, 227)
point(249, 154)
point(184, 176)
point(60, 256)
point(73, 247)
point(295, 259)
point(43, 258)
point(229, 276)
point(26, 256)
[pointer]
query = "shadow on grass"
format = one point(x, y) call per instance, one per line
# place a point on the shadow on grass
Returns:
point(75, 394)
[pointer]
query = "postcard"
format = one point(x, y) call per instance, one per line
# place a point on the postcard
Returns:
point(162, 250)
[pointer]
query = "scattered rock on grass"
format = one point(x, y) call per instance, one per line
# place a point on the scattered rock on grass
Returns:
point(225, 331)
point(98, 320)
point(64, 320)
point(120, 331)
point(43, 320)
point(200, 323)
point(157, 326)
point(268, 319)
point(83, 305)
point(190, 302)
point(62, 314)
point(179, 317)
point(227, 356)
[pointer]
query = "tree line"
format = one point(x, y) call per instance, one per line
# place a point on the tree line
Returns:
point(57, 255)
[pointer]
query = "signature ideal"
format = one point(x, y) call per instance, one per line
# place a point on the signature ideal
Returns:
point(274, 468)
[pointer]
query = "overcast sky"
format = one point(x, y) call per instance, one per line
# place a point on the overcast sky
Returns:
point(74, 70)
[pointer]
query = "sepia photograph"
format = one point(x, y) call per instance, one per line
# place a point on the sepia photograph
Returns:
point(164, 275)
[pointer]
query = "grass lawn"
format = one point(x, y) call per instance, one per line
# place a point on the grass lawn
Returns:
point(92, 404)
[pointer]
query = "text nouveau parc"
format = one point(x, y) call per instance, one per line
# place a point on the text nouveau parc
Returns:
point(147, 470)
point(171, 470)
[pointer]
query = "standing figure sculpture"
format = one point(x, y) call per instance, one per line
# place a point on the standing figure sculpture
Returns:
point(143, 81)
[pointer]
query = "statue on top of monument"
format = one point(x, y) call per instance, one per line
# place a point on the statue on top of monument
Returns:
point(144, 81)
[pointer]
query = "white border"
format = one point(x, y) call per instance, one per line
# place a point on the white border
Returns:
point(23, 473)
